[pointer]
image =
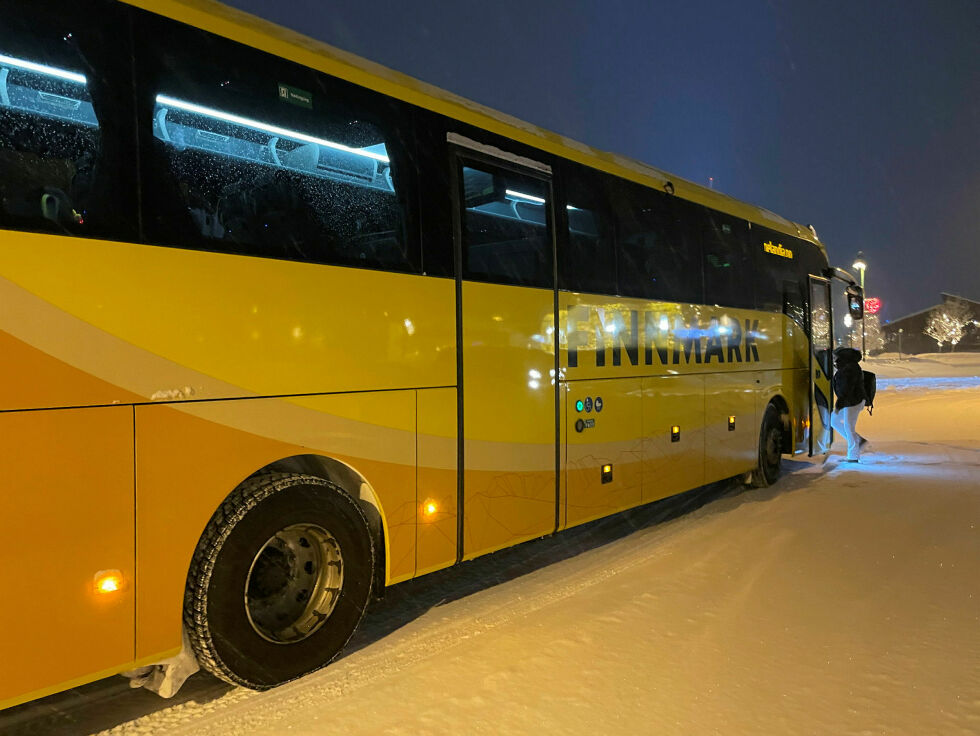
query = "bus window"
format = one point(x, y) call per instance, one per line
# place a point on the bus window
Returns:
point(778, 286)
point(60, 80)
point(655, 260)
point(810, 261)
point(258, 156)
point(505, 225)
point(728, 268)
point(587, 262)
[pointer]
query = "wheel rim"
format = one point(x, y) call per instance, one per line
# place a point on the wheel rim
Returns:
point(294, 583)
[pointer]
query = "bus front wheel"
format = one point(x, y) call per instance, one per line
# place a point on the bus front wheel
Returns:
point(279, 581)
point(770, 449)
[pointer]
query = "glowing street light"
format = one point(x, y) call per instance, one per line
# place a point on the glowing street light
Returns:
point(860, 265)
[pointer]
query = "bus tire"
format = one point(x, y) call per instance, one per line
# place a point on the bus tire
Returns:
point(279, 581)
point(770, 449)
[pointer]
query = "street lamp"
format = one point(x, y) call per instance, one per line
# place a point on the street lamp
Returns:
point(861, 266)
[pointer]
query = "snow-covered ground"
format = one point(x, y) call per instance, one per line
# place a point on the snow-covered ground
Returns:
point(845, 600)
point(925, 368)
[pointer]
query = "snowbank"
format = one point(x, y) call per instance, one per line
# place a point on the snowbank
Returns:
point(925, 365)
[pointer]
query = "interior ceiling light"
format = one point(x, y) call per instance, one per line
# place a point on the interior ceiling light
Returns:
point(48, 71)
point(264, 127)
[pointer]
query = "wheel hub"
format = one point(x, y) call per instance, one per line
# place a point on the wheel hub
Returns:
point(294, 583)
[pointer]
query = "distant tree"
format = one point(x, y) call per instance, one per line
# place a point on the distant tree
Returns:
point(947, 322)
point(821, 324)
point(874, 338)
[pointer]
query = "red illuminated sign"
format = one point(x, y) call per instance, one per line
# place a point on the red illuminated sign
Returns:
point(872, 305)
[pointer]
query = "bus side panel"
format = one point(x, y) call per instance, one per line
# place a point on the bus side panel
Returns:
point(437, 480)
point(191, 456)
point(508, 416)
point(731, 424)
point(32, 379)
point(671, 466)
point(608, 430)
point(171, 324)
point(66, 514)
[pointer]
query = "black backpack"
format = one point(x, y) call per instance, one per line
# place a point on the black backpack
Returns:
point(870, 386)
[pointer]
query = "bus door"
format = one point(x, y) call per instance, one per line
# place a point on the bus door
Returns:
point(821, 365)
point(506, 333)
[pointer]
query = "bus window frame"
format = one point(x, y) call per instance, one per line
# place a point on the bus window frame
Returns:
point(458, 157)
point(393, 118)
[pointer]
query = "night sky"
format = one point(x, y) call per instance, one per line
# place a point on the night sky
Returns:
point(861, 118)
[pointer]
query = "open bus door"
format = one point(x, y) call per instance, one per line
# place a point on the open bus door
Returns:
point(836, 311)
point(821, 365)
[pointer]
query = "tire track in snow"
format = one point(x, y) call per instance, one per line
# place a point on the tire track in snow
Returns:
point(243, 711)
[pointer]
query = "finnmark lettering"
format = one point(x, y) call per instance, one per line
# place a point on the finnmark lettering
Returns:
point(665, 339)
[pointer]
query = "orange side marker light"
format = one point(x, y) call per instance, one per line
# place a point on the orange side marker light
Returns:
point(109, 581)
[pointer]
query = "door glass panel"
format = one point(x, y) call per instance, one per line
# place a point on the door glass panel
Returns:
point(506, 227)
point(847, 331)
point(821, 336)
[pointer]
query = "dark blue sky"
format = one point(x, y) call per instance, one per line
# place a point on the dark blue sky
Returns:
point(862, 118)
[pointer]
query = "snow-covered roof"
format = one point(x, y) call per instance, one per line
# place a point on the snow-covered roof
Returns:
point(955, 297)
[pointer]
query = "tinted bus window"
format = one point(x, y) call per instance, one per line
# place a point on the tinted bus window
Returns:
point(587, 261)
point(810, 261)
point(64, 83)
point(251, 154)
point(728, 268)
point(505, 226)
point(778, 283)
point(436, 197)
point(656, 261)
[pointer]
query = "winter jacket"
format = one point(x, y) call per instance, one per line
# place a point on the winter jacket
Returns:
point(848, 378)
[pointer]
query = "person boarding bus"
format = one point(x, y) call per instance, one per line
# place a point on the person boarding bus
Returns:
point(849, 390)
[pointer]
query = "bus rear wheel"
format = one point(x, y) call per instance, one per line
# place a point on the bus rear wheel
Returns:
point(770, 449)
point(279, 581)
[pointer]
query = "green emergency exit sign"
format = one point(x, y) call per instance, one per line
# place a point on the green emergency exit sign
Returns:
point(295, 96)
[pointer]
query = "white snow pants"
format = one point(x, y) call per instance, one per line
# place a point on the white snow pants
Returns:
point(845, 421)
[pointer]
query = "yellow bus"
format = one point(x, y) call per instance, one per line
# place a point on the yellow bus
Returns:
point(280, 327)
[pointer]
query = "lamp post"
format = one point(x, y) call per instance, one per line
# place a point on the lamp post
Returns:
point(861, 266)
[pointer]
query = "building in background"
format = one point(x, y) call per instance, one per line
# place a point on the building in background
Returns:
point(908, 334)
